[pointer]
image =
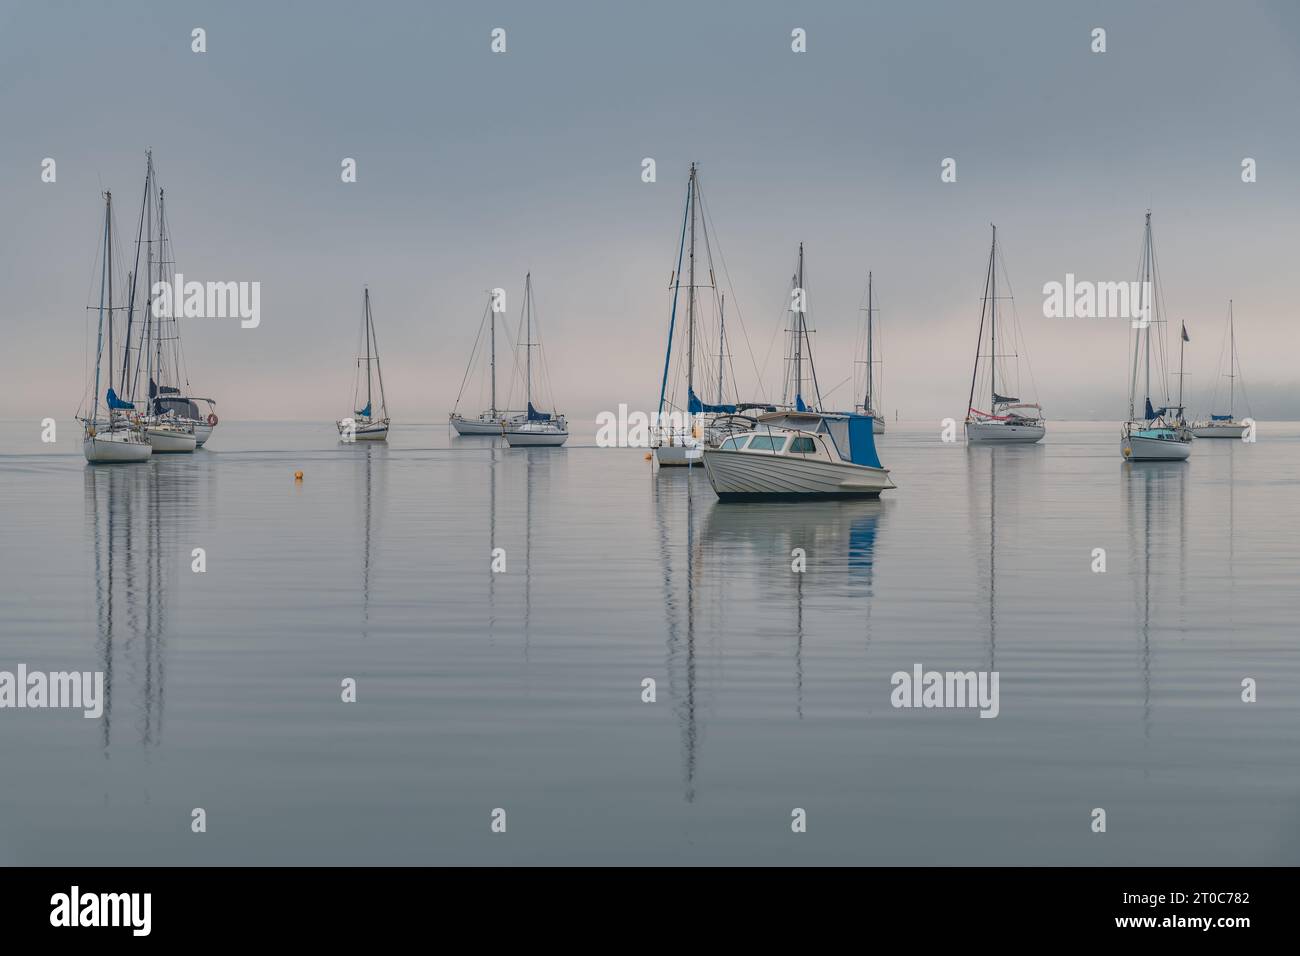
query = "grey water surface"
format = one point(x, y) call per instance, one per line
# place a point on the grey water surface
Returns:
point(522, 690)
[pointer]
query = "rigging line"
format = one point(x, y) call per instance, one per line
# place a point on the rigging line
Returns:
point(478, 338)
point(758, 378)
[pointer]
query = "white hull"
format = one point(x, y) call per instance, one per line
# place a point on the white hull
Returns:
point(998, 432)
point(539, 438)
point(202, 433)
point(366, 431)
point(1228, 430)
point(475, 426)
point(115, 447)
point(1154, 449)
point(738, 475)
point(877, 426)
point(678, 456)
point(169, 440)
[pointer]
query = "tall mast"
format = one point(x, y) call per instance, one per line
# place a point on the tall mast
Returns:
point(1232, 361)
point(492, 317)
point(979, 341)
point(798, 331)
point(690, 302)
point(379, 369)
point(157, 326)
point(99, 347)
point(1151, 318)
point(528, 339)
point(1182, 346)
point(722, 341)
point(108, 257)
point(370, 410)
point(993, 322)
point(135, 273)
point(868, 407)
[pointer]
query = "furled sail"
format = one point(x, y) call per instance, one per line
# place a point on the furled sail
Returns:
point(696, 407)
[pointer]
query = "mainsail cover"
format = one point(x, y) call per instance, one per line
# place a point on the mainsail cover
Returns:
point(535, 416)
point(696, 407)
point(1003, 400)
point(116, 403)
point(365, 412)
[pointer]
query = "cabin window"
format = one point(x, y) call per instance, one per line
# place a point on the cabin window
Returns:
point(734, 444)
point(803, 446)
point(766, 443)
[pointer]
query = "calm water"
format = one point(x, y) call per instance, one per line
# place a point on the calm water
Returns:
point(522, 690)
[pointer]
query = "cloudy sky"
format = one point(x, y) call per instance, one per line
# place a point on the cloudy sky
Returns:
point(475, 167)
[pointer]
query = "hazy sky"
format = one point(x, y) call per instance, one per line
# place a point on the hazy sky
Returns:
point(475, 167)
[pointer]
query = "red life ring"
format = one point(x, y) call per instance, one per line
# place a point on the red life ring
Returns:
point(212, 419)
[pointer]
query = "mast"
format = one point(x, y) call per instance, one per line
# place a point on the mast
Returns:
point(798, 331)
point(690, 304)
point(979, 340)
point(369, 409)
point(993, 323)
point(1232, 363)
point(99, 346)
point(108, 258)
point(135, 271)
point(492, 317)
point(528, 341)
point(155, 374)
point(379, 369)
point(867, 406)
point(722, 341)
point(1150, 319)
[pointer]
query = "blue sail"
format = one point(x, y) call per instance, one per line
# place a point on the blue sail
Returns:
point(115, 403)
point(535, 416)
point(365, 412)
point(695, 406)
point(1221, 418)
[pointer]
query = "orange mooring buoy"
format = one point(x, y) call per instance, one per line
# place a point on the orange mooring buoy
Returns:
point(297, 476)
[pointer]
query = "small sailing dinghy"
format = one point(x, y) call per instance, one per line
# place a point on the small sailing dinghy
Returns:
point(1225, 426)
point(871, 400)
point(1008, 419)
point(367, 426)
point(539, 429)
point(113, 438)
point(1158, 435)
point(490, 420)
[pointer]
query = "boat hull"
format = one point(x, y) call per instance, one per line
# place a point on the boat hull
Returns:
point(877, 426)
point(1135, 448)
point(170, 441)
point(365, 431)
point(993, 433)
point(678, 456)
point(107, 449)
point(202, 433)
point(476, 426)
point(536, 439)
point(1219, 431)
point(744, 476)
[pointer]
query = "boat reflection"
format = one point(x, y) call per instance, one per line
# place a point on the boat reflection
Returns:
point(139, 522)
point(716, 556)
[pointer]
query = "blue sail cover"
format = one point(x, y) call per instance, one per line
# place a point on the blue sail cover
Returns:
point(365, 412)
point(695, 406)
point(1154, 413)
point(1003, 400)
point(862, 444)
point(535, 416)
point(1221, 418)
point(116, 403)
point(799, 406)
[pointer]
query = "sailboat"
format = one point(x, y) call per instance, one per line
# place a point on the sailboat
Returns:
point(539, 429)
point(1225, 426)
point(490, 420)
point(367, 426)
point(164, 429)
point(1158, 435)
point(114, 438)
point(1008, 419)
point(871, 400)
point(677, 443)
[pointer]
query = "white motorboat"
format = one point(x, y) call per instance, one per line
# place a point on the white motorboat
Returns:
point(1225, 426)
point(1008, 420)
point(366, 425)
point(1161, 434)
point(799, 455)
